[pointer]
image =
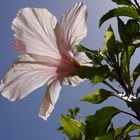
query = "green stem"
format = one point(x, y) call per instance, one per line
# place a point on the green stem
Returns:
point(128, 72)
point(120, 98)
point(137, 4)
point(130, 114)
point(110, 86)
point(107, 60)
point(136, 124)
point(135, 136)
point(134, 5)
point(120, 79)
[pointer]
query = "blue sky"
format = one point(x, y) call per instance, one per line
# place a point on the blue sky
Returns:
point(19, 120)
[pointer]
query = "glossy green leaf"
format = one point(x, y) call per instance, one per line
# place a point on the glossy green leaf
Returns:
point(111, 49)
point(72, 128)
point(97, 125)
point(122, 30)
point(73, 112)
point(107, 136)
point(136, 72)
point(92, 54)
point(135, 106)
point(132, 28)
point(138, 89)
point(120, 11)
point(138, 138)
point(109, 37)
point(121, 134)
point(97, 96)
point(129, 127)
point(128, 32)
point(119, 46)
point(122, 2)
point(81, 48)
point(125, 60)
point(137, 45)
point(110, 41)
point(60, 128)
point(131, 50)
point(95, 74)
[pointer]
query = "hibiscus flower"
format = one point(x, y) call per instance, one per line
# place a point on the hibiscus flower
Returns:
point(48, 55)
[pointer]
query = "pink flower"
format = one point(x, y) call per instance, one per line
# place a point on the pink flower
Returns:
point(48, 54)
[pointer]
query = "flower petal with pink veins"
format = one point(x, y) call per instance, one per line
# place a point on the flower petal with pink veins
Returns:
point(48, 56)
point(24, 76)
point(73, 80)
point(34, 27)
point(72, 27)
point(82, 59)
point(50, 99)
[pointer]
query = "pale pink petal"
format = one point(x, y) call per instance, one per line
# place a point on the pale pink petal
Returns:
point(82, 59)
point(73, 80)
point(24, 76)
point(72, 27)
point(50, 99)
point(46, 60)
point(34, 27)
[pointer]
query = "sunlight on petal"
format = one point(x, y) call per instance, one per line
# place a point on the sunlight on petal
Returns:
point(48, 56)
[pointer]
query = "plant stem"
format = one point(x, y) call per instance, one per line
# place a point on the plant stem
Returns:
point(110, 86)
point(134, 5)
point(137, 4)
point(135, 136)
point(120, 79)
point(120, 97)
point(128, 72)
point(130, 115)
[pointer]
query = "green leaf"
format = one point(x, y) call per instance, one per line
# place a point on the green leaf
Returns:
point(95, 74)
point(128, 32)
point(119, 45)
point(129, 127)
point(136, 72)
point(72, 128)
point(110, 42)
point(109, 37)
point(122, 2)
point(107, 136)
point(131, 50)
point(132, 28)
point(121, 134)
point(97, 96)
point(92, 54)
point(73, 112)
point(111, 49)
point(60, 128)
point(135, 106)
point(125, 59)
point(120, 11)
point(122, 30)
point(97, 125)
point(81, 48)
point(138, 89)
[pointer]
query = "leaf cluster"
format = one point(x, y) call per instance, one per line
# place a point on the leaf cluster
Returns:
point(111, 66)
